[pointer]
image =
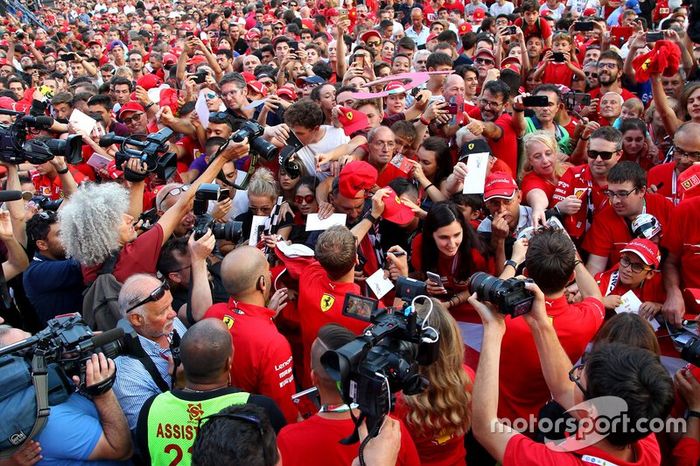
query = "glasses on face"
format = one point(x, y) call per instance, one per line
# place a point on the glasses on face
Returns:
point(308, 199)
point(484, 61)
point(374, 43)
point(683, 154)
point(246, 418)
point(575, 376)
point(154, 296)
point(488, 103)
point(636, 267)
point(173, 192)
point(604, 155)
point(133, 118)
point(278, 28)
point(210, 95)
point(622, 195)
point(591, 75)
point(610, 66)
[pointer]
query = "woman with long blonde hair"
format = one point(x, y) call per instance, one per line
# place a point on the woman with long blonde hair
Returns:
point(439, 417)
point(543, 168)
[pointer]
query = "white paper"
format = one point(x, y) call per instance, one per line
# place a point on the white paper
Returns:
point(313, 223)
point(379, 285)
point(200, 107)
point(294, 250)
point(83, 122)
point(631, 303)
point(258, 221)
point(477, 164)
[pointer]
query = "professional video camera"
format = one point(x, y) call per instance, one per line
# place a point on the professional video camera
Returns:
point(16, 149)
point(151, 150)
point(230, 231)
point(689, 346)
point(36, 372)
point(46, 203)
point(509, 296)
point(384, 360)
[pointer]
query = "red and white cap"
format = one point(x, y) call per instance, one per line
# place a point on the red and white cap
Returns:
point(645, 249)
point(500, 184)
point(395, 87)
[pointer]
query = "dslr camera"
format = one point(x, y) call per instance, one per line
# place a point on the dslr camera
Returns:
point(385, 359)
point(153, 151)
point(230, 231)
point(253, 130)
point(46, 203)
point(509, 296)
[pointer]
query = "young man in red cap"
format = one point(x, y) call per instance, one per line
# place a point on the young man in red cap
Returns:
point(636, 271)
point(133, 115)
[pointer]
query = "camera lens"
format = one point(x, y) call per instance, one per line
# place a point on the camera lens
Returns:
point(263, 148)
point(484, 285)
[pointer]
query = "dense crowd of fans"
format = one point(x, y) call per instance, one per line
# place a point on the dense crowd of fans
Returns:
point(351, 144)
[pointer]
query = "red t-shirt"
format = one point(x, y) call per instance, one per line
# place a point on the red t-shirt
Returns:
point(316, 442)
point(320, 303)
point(682, 239)
point(522, 451)
point(436, 449)
point(664, 178)
point(557, 73)
point(388, 174)
point(651, 290)
point(533, 181)
point(138, 256)
point(541, 28)
point(53, 188)
point(579, 182)
point(506, 147)
point(686, 452)
point(521, 383)
point(262, 357)
point(609, 232)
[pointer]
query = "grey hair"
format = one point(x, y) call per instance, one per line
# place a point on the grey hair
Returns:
point(133, 290)
point(263, 183)
point(89, 222)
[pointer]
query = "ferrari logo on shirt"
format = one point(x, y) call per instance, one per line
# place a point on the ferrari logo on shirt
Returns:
point(327, 302)
point(348, 115)
point(228, 320)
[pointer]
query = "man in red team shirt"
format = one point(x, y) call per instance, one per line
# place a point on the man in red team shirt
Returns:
point(381, 143)
point(582, 186)
point(551, 261)
point(663, 179)
point(647, 391)
point(262, 360)
point(611, 228)
point(55, 179)
point(316, 441)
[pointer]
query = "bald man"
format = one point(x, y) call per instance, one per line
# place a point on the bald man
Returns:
point(146, 304)
point(262, 361)
point(610, 108)
point(381, 143)
point(168, 423)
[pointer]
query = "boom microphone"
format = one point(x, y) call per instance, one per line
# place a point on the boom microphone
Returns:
point(6, 196)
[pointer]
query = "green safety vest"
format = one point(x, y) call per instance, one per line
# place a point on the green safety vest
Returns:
point(172, 425)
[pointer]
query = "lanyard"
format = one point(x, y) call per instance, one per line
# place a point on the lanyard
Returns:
point(338, 408)
point(596, 460)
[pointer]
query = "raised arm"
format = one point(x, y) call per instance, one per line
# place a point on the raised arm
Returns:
point(17, 261)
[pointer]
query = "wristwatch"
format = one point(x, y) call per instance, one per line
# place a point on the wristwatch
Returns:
point(512, 263)
point(692, 413)
point(62, 172)
point(371, 218)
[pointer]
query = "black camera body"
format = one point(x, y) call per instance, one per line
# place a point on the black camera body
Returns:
point(384, 360)
point(252, 130)
point(230, 231)
point(286, 158)
point(46, 203)
point(16, 149)
point(689, 346)
point(152, 151)
point(509, 296)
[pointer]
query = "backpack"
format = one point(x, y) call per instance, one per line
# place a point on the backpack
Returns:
point(100, 300)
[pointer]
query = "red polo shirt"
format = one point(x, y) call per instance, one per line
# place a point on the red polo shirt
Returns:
point(504, 148)
point(664, 178)
point(609, 232)
point(578, 181)
point(262, 357)
point(388, 174)
point(521, 383)
point(682, 239)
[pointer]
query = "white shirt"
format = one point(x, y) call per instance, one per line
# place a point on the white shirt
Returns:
point(419, 38)
point(332, 138)
point(505, 9)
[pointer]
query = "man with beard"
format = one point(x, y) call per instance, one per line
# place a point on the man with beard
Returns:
point(663, 179)
point(609, 74)
point(53, 283)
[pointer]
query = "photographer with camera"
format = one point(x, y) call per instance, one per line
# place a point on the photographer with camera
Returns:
point(551, 261)
point(85, 428)
point(634, 375)
point(56, 179)
point(262, 361)
point(316, 440)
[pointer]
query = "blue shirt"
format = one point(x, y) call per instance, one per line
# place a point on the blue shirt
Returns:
point(53, 287)
point(71, 434)
point(134, 385)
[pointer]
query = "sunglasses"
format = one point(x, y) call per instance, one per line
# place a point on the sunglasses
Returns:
point(210, 95)
point(604, 155)
point(155, 295)
point(591, 75)
point(133, 118)
point(374, 44)
point(309, 198)
point(485, 61)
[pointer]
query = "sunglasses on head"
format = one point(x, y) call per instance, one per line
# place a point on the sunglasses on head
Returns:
point(309, 198)
point(154, 296)
point(604, 155)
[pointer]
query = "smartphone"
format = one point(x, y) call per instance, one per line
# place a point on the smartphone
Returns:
point(189, 34)
point(511, 30)
point(558, 57)
point(66, 56)
point(536, 101)
point(452, 106)
point(199, 77)
point(294, 45)
point(435, 278)
point(576, 99)
point(583, 26)
point(654, 36)
point(224, 193)
point(359, 61)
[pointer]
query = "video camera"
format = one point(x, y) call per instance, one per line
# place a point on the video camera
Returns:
point(16, 149)
point(46, 203)
point(509, 296)
point(385, 359)
point(152, 150)
point(230, 231)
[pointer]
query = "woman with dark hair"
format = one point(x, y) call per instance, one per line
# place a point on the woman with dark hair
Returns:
point(636, 144)
point(431, 170)
point(304, 202)
point(450, 248)
point(288, 185)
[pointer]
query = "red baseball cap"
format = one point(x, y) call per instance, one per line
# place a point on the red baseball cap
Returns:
point(258, 87)
point(197, 60)
point(149, 81)
point(252, 34)
point(6, 103)
point(366, 35)
point(396, 211)
point(355, 177)
point(248, 76)
point(169, 59)
point(130, 106)
point(645, 249)
point(484, 52)
point(499, 184)
point(464, 28)
point(287, 91)
point(431, 36)
point(352, 120)
point(395, 87)
point(590, 12)
point(478, 14)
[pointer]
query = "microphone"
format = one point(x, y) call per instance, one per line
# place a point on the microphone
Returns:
point(6, 196)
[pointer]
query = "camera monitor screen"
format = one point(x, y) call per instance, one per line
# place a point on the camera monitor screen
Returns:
point(359, 307)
